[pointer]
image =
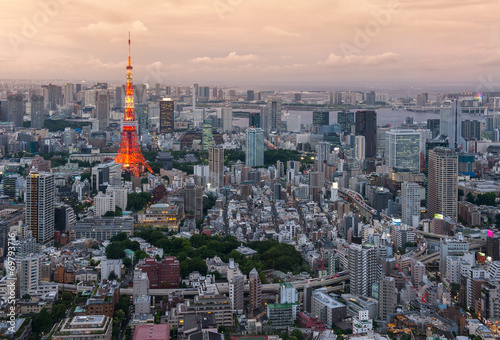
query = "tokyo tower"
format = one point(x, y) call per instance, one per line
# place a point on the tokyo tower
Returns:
point(129, 154)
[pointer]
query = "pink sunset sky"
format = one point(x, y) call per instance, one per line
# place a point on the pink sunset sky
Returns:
point(238, 41)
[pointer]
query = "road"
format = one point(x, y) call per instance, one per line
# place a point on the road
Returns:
point(223, 287)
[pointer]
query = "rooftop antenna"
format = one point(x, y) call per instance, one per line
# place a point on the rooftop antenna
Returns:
point(129, 62)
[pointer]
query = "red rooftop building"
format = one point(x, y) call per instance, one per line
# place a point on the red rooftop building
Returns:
point(152, 332)
point(162, 274)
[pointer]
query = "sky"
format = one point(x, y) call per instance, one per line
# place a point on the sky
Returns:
point(241, 42)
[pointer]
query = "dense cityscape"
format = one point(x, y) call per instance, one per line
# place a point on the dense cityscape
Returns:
point(154, 209)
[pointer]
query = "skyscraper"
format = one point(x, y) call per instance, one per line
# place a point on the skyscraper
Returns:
point(193, 200)
point(451, 123)
point(346, 120)
point(102, 108)
point(442, 183)
point(250, 95)
point(216, 166)
point(37, 111)
point(471, 129)
point(15, 109)
point(166, 115)
point(236, 290)
point(321, 117)
point(323, 149)
point(226, 114)
point(254, 154)
point(255, 290)
point(433, 125)
point(206, 134)
point(69, 90)
point(362, 262)
point(366, 125)
point(403, 149)
point(40, 205)
point(410, 193)
point(274, 105)
point(360, 151)
point(52, 95)
point(254, 119)
point(388, 297)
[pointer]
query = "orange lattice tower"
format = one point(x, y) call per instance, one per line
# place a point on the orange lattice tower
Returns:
point(129, 154)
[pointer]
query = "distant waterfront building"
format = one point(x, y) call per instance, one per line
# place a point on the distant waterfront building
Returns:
point(403, 150)
point(254, 154)
point(346, 120)
point(274, 112)
point(366, 125)
point(321, 117)
point(451, 123)
point(254, 120)
point(166, 115)
point(226, 115)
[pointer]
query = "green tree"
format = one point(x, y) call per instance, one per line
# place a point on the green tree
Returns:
point(43, 322)
point(109, 213)
point(112, 276)
point(26, 297)
point(297, 333)
point(58, 312)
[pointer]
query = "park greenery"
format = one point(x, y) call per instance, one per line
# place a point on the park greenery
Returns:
point(54, 125)
point(138, 201)
point(192, 253)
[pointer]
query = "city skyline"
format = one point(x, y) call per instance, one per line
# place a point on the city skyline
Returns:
point(239, 43)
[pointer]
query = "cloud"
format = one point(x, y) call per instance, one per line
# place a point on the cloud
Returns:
point(232, 57)
point(110, 29)
point(278, 32)
point(363, 60)
point(491, 60)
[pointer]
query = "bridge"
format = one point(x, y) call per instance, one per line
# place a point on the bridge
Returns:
point(435, 256)
point(331, 282)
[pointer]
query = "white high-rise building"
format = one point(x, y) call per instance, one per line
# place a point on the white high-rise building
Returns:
point(403, 149)
point(288, 293)
point(119, 194)
point(40, 206)
point(360, 148)
point(410, 193)
point(103, 203)
point(29, 273)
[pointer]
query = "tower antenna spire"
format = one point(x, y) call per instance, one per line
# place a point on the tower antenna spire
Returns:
point(129, 63)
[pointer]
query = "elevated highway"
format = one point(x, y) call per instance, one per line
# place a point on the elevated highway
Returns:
point(332, 282)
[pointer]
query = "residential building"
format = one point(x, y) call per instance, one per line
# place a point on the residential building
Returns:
point(40, 205)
